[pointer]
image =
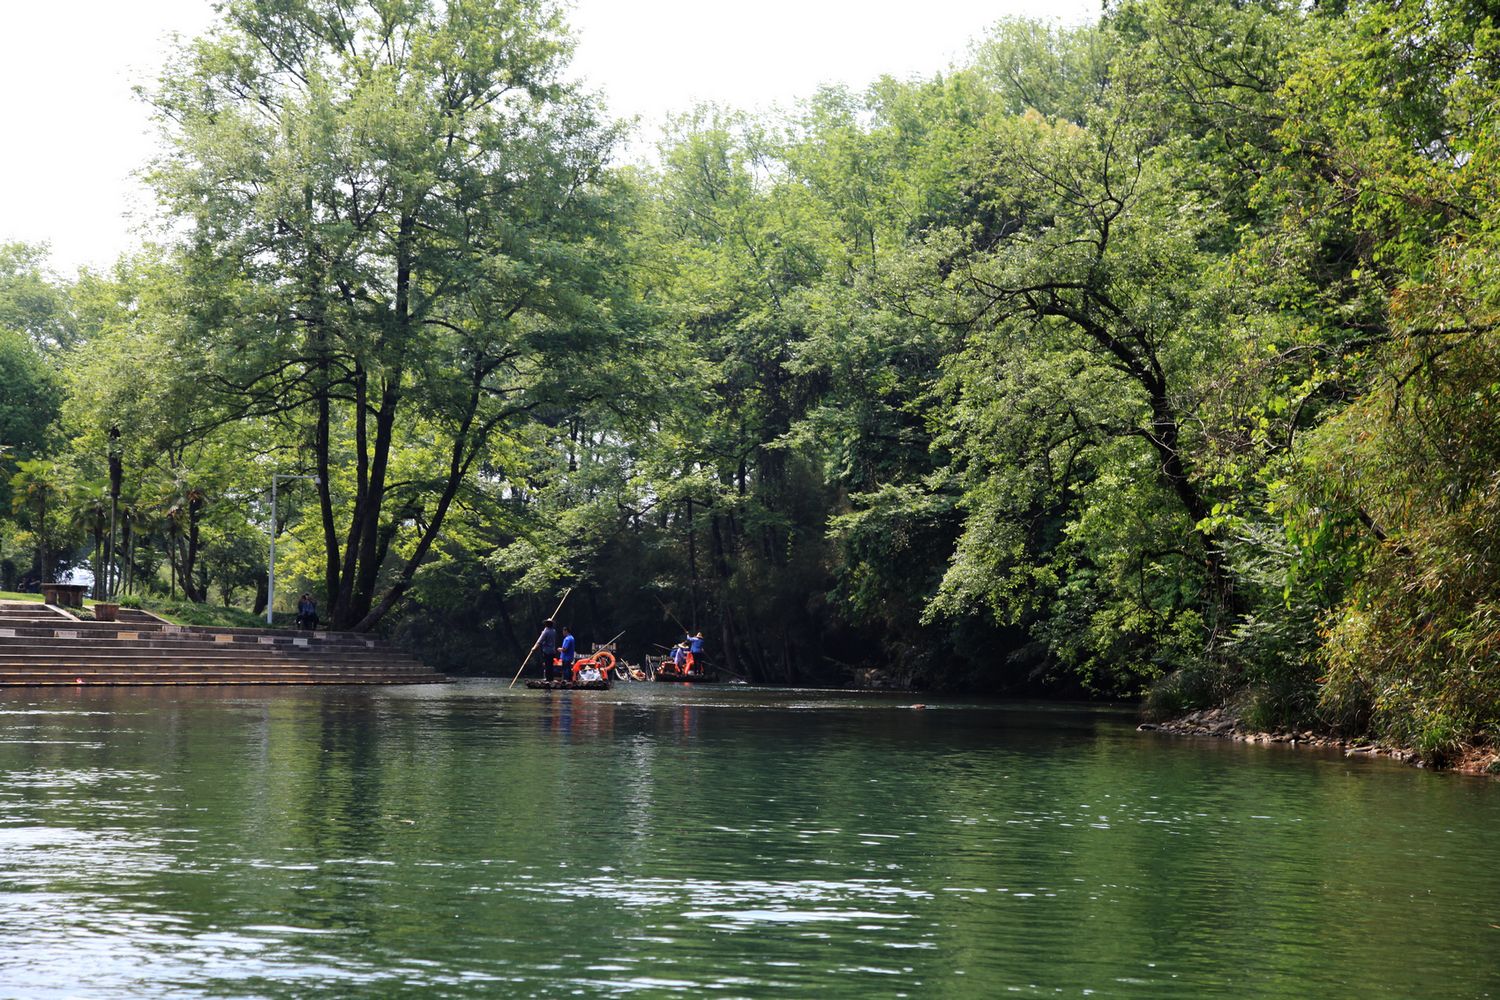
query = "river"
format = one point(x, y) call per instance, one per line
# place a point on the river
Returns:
point(468, 841)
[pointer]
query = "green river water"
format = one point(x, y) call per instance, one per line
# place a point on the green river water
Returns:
point(648, 841)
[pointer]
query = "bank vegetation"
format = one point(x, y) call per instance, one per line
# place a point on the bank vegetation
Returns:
point(1155, 356)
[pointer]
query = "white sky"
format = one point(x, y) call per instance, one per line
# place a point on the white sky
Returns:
point(72, 132)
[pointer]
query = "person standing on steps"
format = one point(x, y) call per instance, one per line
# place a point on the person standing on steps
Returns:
point(546, 645)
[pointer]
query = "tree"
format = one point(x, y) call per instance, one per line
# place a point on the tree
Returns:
point(33, 321)
point(1394, 495)
point(35, 488)
point(742, 245)
point(30, 395)
point(132, 409)
point(33, 300)
point(400, 222)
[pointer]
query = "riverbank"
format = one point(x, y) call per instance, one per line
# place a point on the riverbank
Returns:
point(1220, 723)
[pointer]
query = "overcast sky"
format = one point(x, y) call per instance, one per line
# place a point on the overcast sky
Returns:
point(74, 133)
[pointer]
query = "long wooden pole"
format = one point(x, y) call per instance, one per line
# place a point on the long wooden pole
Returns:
point(538, 642)
point(685, 629)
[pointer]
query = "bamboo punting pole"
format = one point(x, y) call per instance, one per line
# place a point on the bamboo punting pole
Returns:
point(552, 617)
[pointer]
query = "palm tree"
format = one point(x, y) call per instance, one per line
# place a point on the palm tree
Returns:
point(183, 507)
point(89, 509)
point(33, 485)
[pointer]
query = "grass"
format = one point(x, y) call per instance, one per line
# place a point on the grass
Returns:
point(188, 613)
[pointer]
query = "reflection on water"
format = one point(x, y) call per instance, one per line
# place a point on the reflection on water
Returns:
point(467, 841)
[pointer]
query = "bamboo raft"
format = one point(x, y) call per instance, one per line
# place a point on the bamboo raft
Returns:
point(665, 671)
point(602, 685)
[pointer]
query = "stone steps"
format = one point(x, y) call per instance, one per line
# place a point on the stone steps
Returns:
point(40, 646)
point(60, 665)
point(137, 666)
point(132, 651)
point(210, 679)
point(150, 654)
point(30, 608)
point(167, 646)
point(48, 633)
point(188, 674)
point(16, 672)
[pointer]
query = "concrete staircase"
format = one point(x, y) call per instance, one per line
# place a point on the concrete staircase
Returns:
point(41, 645)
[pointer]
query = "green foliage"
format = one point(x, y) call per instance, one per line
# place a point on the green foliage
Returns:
point(33, 323)
point(34, 302)
point(30, 397)
point(398, 221)
point(1155, 356)
point(1405, 473)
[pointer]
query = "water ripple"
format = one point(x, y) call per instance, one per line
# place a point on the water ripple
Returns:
point(467, 841)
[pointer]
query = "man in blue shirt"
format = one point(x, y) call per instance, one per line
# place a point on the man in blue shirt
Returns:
point(568, 652)
point(695, 652)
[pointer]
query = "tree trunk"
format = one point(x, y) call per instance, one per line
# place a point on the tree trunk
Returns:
point(339, 600)
point(127, 548)
point(692, 566)
point(41, 535)
point(467, 441)
point(1166, 437)
point(364, 535)
point(191, 588)
point(116, 477)
point(321, 447)
point(1132, 350)
point(98, 558)
point(508, 627)
point(728, 632)
point(322, 351)
point(364, 551)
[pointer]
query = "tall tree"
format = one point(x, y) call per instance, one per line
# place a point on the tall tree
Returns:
point(34, 300)
point(30, 395)
point(1396, 493)
point(400, 228)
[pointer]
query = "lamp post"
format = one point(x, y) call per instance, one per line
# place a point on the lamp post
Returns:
point(271, 563)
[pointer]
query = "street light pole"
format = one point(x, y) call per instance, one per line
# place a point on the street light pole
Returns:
point(271, 562)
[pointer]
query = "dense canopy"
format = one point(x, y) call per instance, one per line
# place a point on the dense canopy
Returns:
point(1157, 356)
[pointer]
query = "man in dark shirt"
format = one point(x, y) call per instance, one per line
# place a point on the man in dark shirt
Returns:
point(547, 647)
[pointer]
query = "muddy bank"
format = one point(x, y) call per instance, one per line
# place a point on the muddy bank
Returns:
point(1223, 724)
